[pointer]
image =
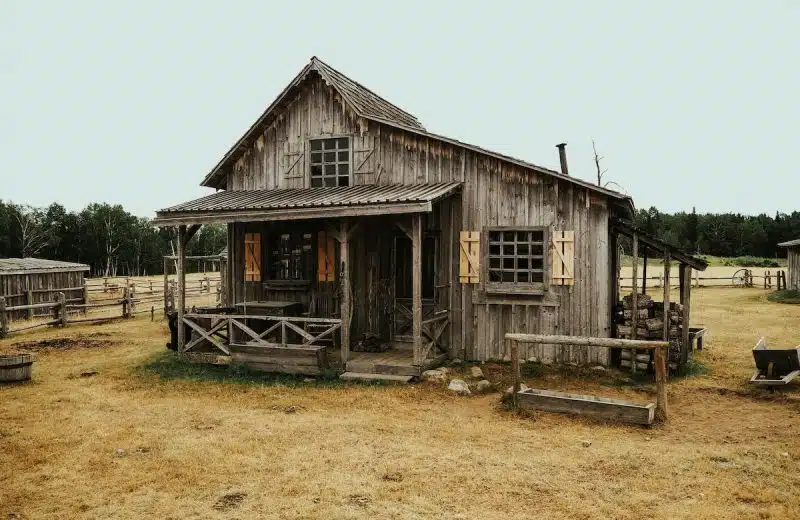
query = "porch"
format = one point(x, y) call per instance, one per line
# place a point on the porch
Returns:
point(363, 286)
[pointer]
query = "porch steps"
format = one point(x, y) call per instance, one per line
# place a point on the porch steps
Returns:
point(386, 378)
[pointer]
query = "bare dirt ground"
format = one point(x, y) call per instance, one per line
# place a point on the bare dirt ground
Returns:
point(98, 434)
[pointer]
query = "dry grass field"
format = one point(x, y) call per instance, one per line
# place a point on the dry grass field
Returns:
point(103, 432)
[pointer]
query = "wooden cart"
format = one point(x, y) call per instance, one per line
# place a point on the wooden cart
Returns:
point(775, 367)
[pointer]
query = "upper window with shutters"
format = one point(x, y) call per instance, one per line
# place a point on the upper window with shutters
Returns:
point(516, 260)
point(329, 162)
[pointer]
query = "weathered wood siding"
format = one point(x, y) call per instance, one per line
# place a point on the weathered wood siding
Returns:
point(43, 287)
point(793, 269)
point(495, 193)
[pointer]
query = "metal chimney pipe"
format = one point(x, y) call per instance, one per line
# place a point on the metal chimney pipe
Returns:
point(562, 155)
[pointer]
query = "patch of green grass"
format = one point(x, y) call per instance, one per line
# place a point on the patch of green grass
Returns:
point(752, 261)
point(695, 368)
point(168, 366)
point(790, 296)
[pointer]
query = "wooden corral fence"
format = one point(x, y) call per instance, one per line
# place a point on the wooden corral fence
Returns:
point(741, 278)
point(102, 299)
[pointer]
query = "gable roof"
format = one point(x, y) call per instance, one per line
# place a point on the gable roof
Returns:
point(790, 243)
point(371, 106)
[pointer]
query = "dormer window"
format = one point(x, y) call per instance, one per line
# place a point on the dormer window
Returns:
point(330, 162)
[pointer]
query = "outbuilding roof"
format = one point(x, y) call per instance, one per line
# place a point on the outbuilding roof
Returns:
point(37, 265)
point(300, 203)
point(790, 243)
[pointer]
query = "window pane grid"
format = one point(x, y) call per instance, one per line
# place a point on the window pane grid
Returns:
point(330, 162)
point(516, 256)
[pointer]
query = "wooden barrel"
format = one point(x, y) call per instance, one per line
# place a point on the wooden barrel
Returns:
point(15, 367)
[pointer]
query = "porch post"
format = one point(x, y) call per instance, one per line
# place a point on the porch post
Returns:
point(181, 275)
point(345, 304)
point(416, 286)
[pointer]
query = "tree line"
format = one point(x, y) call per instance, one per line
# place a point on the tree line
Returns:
point(113, 242)
point(722, 234)
point(110, 240)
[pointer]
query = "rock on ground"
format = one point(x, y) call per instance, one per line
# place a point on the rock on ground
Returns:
point(483, 387)
point(476, 372)
point(434, 376)
point(459, 386)
point(510, 389)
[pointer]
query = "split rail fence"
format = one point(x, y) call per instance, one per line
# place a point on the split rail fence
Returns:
point(741, 278)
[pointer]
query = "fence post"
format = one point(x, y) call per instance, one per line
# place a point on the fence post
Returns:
point(131, 299)
point(3, 318)
point(29, 301)
point(152, 313)
point(85, 295)
point(208, 284)
point(125, 302)
point(62, 305)
point(105, 284)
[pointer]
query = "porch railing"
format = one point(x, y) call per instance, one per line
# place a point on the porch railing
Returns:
point(432, 331)
point(221, 330)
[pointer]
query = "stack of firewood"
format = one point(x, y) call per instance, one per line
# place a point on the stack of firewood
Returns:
point(650, 325)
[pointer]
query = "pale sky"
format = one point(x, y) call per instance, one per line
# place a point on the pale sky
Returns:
point(692, 103)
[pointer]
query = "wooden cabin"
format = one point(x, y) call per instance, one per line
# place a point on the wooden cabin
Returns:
point(793, 267)
point(25, 281)
point(359, 240)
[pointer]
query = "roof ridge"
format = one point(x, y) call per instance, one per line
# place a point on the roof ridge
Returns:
point(315, 59)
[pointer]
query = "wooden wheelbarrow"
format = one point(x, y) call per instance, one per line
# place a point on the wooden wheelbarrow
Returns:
point(775, 367)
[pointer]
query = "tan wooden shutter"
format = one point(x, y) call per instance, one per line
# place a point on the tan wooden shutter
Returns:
point(470, 248)
point(326, 269)
point(252, 252)
point(563, 246)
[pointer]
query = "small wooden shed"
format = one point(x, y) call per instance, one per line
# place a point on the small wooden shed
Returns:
point(24, 281)
point(793, 269)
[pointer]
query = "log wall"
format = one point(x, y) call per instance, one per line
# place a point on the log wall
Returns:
point(793, 269)
point(496, 192)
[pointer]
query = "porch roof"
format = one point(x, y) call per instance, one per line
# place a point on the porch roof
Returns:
point(306, 203)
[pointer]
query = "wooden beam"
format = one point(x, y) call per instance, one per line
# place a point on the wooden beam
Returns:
point(166, 285)
point(686, 302)
point(635, 296)
point(614, 296)
point(667, 266)
point(644, 270)
point(582, 341)
point(190, 231)
point(181, 275)
point(404, 228)
point(345, 303)
point(416, 287)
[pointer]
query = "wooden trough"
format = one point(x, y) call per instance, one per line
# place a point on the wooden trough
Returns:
point(775, 367)
point(15, 367)
point(587, 405)
point(600, 407)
